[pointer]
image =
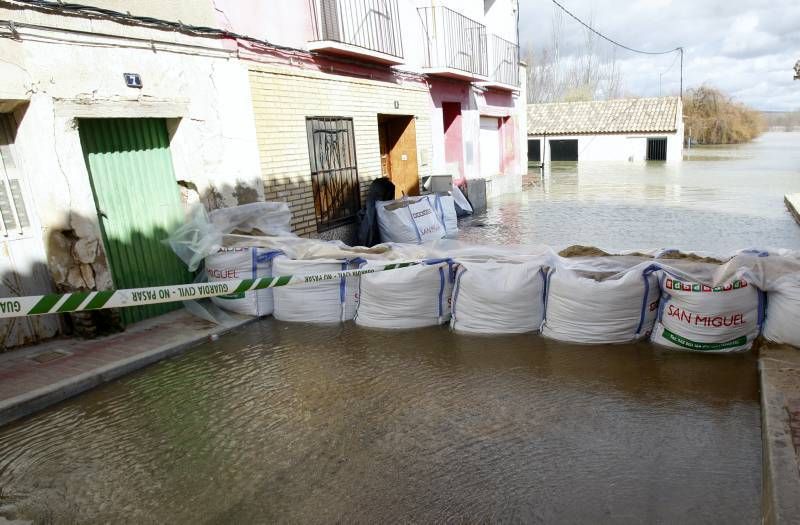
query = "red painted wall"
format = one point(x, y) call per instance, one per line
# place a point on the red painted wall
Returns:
point(453, 136)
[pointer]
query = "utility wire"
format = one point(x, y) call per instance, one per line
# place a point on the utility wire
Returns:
point(623, 46)
point(604, 37)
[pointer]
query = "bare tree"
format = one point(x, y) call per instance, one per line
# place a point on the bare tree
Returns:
point(553, 77)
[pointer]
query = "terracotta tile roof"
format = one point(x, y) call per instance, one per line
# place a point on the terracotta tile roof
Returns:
point(628, 115)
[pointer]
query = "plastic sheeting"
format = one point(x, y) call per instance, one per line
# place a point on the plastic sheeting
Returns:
point(410, 297)
point(202, 234)
point(320, 302)
point(409, 220)
point(783, 311)
point(615, 308)
point(694, 316)
point(499, 297)
point(242, 263)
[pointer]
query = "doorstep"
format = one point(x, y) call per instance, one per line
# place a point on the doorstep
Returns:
point(779, 373)
point(36, 377)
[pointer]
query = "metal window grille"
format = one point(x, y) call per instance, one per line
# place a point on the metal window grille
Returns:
point(13, 214)
point(369, 24)
point(334, 171)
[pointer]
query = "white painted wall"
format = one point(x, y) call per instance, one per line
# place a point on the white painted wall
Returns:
point(61, 77)
point(622, 147)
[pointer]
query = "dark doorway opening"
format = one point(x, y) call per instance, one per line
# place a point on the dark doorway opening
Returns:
point(534, 150)
point(563, 150)
point(657, 149)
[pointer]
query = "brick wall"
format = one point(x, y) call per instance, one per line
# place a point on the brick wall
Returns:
point(283, 98)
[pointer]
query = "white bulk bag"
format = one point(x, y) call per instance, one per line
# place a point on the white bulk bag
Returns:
point(498, 297)
point(411, 220)
point(693, 316)
point(411, 297)
point(783, 311)
point(617, 309)
point(315, 302)
point(242, 263)
point(446, 208)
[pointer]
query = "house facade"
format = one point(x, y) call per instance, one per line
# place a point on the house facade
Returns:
point(633, 130)
point(115, 117)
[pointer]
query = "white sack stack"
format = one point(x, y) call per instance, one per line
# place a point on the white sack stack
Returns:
point(498, 297)
point(411, 297)
point(409, 220)
point(315, 302)
point(616, 309)
point(783, 311)
point(242, 263)
point(693, 316)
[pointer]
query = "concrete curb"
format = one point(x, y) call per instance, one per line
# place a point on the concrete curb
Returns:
point(781, 473)
point(33, 401)
point(792, 201)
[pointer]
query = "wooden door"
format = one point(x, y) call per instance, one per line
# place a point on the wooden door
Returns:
point(403, 157)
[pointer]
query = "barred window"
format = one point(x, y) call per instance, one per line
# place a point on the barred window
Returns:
point(334, 172)
point(13, 215)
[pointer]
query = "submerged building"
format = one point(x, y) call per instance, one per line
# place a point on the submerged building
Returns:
point(635, 129)
point(115, 119)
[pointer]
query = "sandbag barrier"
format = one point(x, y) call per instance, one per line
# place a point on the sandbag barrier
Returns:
point(598, 300)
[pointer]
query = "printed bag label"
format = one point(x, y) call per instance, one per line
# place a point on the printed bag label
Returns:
point(695, 345)
point(674, 284)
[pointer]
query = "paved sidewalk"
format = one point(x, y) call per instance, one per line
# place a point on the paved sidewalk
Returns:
point(36, 377)
point(779, 369)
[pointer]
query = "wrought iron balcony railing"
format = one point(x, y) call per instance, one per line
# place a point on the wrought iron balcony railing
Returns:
point(504, 62)
point(372, 25)
point(454, 41)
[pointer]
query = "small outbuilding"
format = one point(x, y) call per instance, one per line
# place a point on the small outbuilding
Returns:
point(633, 129)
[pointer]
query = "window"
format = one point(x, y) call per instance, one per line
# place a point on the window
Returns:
point(13, 215)
point(334, 173)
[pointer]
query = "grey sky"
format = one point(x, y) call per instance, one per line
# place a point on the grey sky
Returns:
point(747, 48)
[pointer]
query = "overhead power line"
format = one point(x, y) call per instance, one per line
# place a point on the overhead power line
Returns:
point(623, 46)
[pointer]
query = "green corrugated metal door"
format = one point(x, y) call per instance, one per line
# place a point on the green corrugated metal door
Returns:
point(138, 203)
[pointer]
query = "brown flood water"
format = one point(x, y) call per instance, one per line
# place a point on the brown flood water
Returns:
point(297, 423)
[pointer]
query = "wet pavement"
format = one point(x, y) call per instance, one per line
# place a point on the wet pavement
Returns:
point(312, 424)
point(297, 423)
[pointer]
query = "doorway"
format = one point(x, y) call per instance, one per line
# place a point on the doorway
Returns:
point(657, 149)
point(453, 137)
point(563, 150)
point(490, 146)
point(397, 135)
point(138, 204)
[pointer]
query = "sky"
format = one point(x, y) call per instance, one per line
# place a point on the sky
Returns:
point(746, 48)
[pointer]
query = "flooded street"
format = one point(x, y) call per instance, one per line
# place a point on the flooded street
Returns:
point(297, 423)
point(721, 198)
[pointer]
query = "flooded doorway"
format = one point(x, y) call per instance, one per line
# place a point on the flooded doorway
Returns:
point(398, 147)
point(563, 150)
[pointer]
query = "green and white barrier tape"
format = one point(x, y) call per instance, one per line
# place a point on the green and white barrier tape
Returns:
point(79, 301)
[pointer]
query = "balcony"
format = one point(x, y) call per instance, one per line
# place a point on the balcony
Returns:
point(455, 45)
point(364, 29)
point(503, 65)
